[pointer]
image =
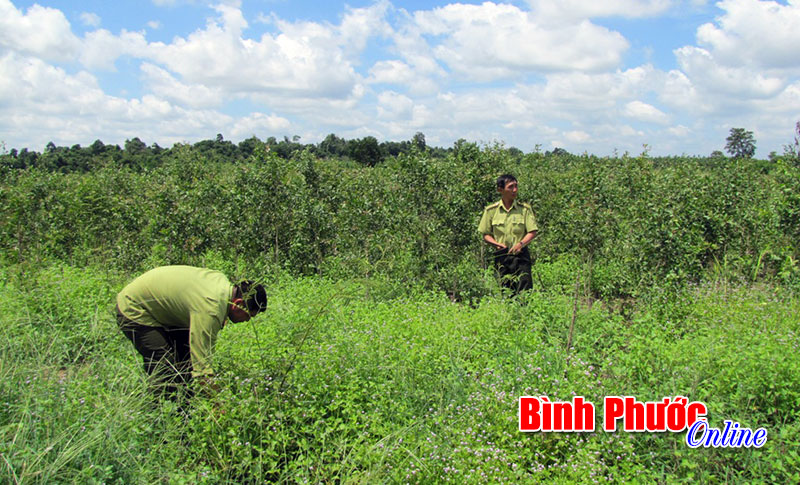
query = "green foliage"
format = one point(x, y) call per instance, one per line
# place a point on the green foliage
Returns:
point(388, 353)
point(333, 384)
point(365, 151)
point(633, 222)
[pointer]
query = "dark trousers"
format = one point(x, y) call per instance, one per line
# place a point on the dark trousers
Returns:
point(165, 352)
point(514, 270)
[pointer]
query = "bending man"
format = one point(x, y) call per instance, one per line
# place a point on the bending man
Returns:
point(172, 315)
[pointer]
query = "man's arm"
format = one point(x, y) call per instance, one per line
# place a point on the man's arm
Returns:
point(532, 228)
point(203, 330)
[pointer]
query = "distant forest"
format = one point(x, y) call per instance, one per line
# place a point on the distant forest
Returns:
point(136, 153)
point(365, 151)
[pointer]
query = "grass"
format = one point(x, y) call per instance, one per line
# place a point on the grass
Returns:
point(335, 384)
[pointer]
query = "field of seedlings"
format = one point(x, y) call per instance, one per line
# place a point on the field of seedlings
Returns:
point(388, 354)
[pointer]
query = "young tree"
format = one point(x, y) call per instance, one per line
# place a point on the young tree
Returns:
point(741, 143)
point(793, 150)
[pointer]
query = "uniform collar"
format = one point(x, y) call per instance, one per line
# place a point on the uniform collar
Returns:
point(513, 205)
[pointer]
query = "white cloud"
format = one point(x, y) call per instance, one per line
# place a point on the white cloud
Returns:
point(101, 48)
point(520, 125)
point(46, 103)
point(577, 136)
point(260, 125)
point(491, 41)
point(700, 65)
point(414, 49)
point(391, 72)
point(41, 31)
point(582, 9)
point(644, 112)
point(587, 108)
point(785, 103)
point(360, 24)
point(625, 131)
point(482, 106)
point(90, 19)
point(679, 131)
point(399, 73)
point(154, 24)
point(418, 71)
point(678, 92)
point(263, 18)
point(393, 105)
point(387, 72)
point(303, 60)
point(334, 114)
point(580, 93)
point(745, 64)
point(163, 84)
point(33, 84)
point(422, 116)
point(754, 33)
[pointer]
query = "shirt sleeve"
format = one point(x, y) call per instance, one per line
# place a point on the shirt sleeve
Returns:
point(203, 330)
point(530, 221)
point(485, 226)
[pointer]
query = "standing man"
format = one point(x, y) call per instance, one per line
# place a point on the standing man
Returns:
point(172, 315)
point(510, 226)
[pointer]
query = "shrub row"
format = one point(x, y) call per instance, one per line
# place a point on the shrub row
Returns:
point(630, 221)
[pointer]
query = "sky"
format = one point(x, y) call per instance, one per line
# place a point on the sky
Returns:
point(670, 77)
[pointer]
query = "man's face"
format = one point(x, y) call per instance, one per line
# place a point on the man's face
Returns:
point(509, 192)
point(237, 311)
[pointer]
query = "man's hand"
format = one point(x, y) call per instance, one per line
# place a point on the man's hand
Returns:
point(516, 249)
point(490, 240)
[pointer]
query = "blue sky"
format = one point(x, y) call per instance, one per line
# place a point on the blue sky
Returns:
point(599, 77)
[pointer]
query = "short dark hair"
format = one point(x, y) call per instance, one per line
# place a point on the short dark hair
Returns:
point(504, 180)
point(254, 296)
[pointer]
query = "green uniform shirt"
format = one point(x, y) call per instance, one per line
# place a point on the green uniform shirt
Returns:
point(181, 297)
point(507, 227)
